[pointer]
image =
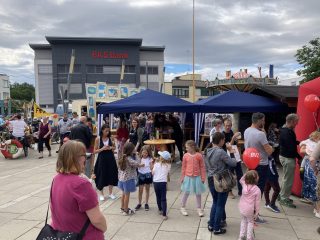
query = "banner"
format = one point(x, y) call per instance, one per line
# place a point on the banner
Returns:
point(101, 93)
point(124, 91)
point(39, 112)
point(91, 91)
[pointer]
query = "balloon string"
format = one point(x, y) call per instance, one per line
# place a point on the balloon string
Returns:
point(315, 120)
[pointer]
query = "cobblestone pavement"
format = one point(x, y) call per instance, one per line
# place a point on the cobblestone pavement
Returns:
point(24, 193)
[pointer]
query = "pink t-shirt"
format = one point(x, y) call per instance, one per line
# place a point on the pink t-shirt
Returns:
point(72, 196)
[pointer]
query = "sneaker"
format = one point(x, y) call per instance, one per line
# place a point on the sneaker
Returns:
point(183, 211)
point(178, 162)
point(101, 198)
point(210, 228)
point(146, 207)
point(128, 212)
point(223, 224)
point(200, 212)
point(113, 197)
point(160, 212)
point(138, 207)
point(121, 210)
point(165, 218)
point(243, 238)
point(273, 208)
point(306, 200)
point(260, 220)
point(317, 214)
point(287, 203)
point(220, 231)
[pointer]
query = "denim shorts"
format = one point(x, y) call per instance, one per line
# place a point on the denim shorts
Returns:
point(127, 186)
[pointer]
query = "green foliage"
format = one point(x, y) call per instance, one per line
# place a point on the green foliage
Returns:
point(23, 91)
point(309, 57)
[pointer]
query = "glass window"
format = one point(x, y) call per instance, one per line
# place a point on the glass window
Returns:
point(181, 92)
point(64, 68)
point(130, 69)
point(5, 83)
point(5, 95)
point(153, 70)
point(111, 69)
point(143, 70)
point(45, 68)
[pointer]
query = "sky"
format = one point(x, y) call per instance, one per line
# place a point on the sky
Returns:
point(229, 34)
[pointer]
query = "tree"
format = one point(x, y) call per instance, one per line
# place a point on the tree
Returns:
point(309, 57)
point(23, 91)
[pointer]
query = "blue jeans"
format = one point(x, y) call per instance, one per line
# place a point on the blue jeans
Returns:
point(218, 206)
point(263, 176)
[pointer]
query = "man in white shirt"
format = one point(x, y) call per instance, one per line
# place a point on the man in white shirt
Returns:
point(18, 126)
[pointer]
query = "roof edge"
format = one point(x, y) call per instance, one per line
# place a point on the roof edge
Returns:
point(37, 46)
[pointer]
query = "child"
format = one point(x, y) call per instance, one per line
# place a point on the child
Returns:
point(192, 177)
point(249, 204)
point(309, 177)
point(127, 174)
point(144, 176)
point(272, 182)
point(160, 173)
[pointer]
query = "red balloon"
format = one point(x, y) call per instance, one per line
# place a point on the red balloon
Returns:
point(312, 102)
point(251, 158)
point(55, 115)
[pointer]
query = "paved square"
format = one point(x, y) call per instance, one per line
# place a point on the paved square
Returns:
point(24, 193)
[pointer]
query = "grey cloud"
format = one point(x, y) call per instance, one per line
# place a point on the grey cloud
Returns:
point(268, 32)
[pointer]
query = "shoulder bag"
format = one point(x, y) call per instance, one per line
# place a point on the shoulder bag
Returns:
point(47, 232)
point(224, 181)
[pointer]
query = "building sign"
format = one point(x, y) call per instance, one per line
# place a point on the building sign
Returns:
point(109, 54)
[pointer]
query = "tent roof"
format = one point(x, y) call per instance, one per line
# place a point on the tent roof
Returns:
point(312, 85)
point(236, 101)
point(148, 101)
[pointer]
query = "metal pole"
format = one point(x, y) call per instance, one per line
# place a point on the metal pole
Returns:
point(66, 104)
point(147, 74)
point(193, 82)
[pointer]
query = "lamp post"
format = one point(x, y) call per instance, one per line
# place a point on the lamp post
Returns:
point(193, 81)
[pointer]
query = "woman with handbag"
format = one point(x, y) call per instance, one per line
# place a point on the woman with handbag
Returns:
point(75, 211)
point(220, 179)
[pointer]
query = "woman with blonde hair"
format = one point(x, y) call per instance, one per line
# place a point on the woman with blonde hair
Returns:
point(73, 200)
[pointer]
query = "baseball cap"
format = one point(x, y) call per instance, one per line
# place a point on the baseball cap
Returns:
point(165, 155)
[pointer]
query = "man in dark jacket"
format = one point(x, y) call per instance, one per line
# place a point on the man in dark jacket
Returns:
point(288, 154)
point(81, 132)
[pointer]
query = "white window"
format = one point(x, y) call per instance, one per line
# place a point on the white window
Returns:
point(5, 95)
point(5, 83)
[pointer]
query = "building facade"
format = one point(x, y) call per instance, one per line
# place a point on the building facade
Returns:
point(4, 87)
point(96, 60)
point(182, 87)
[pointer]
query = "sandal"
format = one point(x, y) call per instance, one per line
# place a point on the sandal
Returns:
point(40, 157)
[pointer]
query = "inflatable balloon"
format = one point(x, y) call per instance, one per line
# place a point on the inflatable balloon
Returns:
point(55, 115)
point(312, 102)
point(251, 158)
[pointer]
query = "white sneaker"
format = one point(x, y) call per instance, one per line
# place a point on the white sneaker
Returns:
point(317, 214)
point(113, 197)
point(179, 162)
point(183, 211)
point(200, 212)
point(101, 198)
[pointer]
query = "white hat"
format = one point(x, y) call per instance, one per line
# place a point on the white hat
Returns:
point(165, 155)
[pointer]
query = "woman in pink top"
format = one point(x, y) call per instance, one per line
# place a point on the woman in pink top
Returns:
point(73, 198)
point(249, 204)
point(193, 175)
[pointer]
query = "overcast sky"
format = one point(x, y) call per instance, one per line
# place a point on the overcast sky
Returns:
point(229, 34)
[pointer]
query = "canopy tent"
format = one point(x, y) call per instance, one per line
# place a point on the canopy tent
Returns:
point(148, 101)
point(307, 122)
point(234, 101)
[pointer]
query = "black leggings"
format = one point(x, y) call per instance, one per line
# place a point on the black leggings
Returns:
point(46, 141)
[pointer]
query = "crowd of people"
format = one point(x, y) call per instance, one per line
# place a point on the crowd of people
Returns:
point(127, 163)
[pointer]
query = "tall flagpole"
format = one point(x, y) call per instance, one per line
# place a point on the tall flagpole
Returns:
point(193, 82)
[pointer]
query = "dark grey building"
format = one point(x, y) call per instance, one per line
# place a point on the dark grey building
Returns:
point(96, 60)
